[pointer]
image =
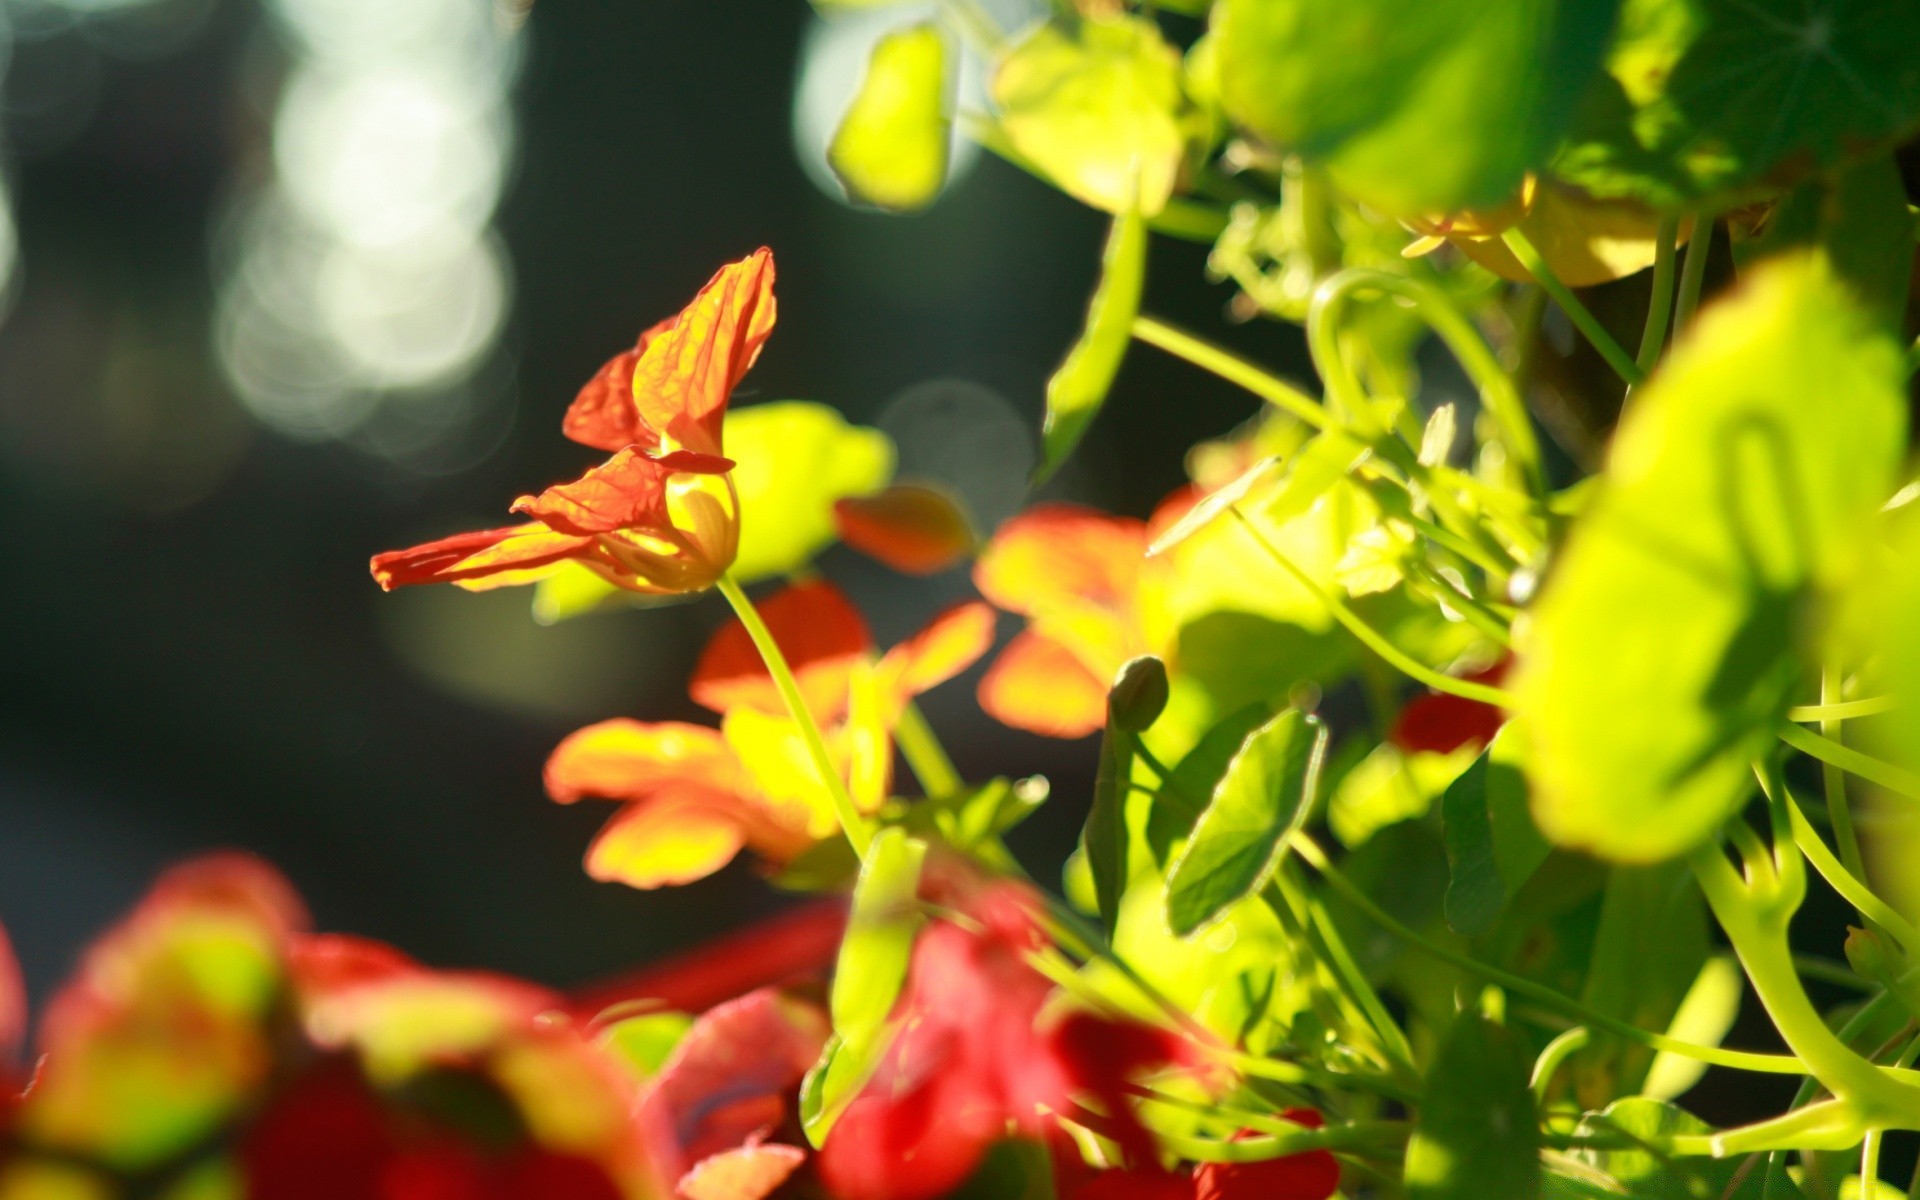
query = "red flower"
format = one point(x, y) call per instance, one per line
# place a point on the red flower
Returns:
point(1442, 723)
point(694, 796)
point(972, 1062)
point(1078, 577)
point(659, 516)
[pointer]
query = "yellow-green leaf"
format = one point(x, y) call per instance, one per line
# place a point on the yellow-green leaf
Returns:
point(891, 148)
point(1078, 389)
point(795, 459)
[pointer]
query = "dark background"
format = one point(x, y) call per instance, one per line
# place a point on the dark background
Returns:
point(191, 652)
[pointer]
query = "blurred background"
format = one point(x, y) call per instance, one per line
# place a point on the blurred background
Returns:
point(289, 282)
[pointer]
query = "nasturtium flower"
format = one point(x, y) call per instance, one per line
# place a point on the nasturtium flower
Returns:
point(912, 528)
point(1440, 723)
point(661, 516)
point(975, 1059)
point(694, 796)
point(725, 1090)
point(1079, 576)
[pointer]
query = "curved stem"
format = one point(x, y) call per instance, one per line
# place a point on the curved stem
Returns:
point(925, 756)
point(1835, 784)
point(1653, 338)
point(852, 822)
point(1849, 885)
point(1871, 769)
point(1232, 368)
point(1558, 1051)
point(1776, 1064)
point(1841, 710)
point(1370, 637)
point(1582, 318)
point(1692, 272)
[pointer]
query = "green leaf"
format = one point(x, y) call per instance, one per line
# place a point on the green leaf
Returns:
point(1078, 389)
point(1705, 1016)
point(1637, 978)
point(1105, 837)
point(795, 459)
point(642, 1043)
point(1262, 799)
point(1391, 785)
point(891, 148)
point(1098, 108)
point(1477, 1136)
point(1492, 845)
point(1708, 102)
point(1664, 647)
point(1860, 218)
point(1646, 1174)
point(881, 924)
point(1432, 107)
point(1183, 795)
point(834, 1082)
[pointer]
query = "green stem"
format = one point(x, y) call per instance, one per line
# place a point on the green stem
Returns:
point(1848, 759)
point(925, 756)
point(1776, 1064)
point(1851, 889)
point(1498, 394)
point(1835, 784)
point(1842, 710)
point(1653, 338)
point(1370, 637)
point(1692, 273)
point(1232, 368)
point(852, 822)
point(1321, 933)
point(1582, 318)
point(1558, 1051)
point(1913, 368)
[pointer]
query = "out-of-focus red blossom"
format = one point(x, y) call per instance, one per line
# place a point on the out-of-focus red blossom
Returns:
point(1312, 1175)
point(726, 1088)
point(913, 529)
point(973, 1062)
point(661, 515)
point(694, 796)
point(1079, 577)
point(1441, 723)
point(790, 947)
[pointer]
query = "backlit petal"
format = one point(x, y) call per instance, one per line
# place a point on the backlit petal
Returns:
point(1039, 685)
point(684, 376)
point(628, 491)
point(663, 842)
point(950, 643)
point(632, 760)
point(604, 415)
point(745, 1173)
point(1062, 554)
point(791, 799)
point(819, 631)
point(472, 558)
point(914, 529)
point(13, 1008)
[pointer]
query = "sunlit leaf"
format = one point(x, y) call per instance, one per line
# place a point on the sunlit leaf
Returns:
point(891, 148)
point(1492, 846)
point(1079, 387)
point(1665, 646)
point(1720, 98)
point(1704, 1017)
point(873, 956)
point(1264, 796)
point(642, 1043)
point(1183, 795)
point(1433, 107)
point(1643, 1123)
point(1097, 108)
point(1476, 1136)
point(1391, 785)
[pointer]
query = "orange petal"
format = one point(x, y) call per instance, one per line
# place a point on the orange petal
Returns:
point(469, 558)
point(918, 530)
point(819, 631)
point(684, 376)
point(604, 415)
point(633, 760)
point(327, 964)
point(745, 1173)
point(667, 841)
point(1040, 686)
point(950, 643)
point(628, 491)
point(1063, 554)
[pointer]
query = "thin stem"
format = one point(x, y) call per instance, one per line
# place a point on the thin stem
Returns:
point(1692, 273)
point(1232, 368)
point(1653, 338)
point(1370, 637)
point(925, 756)
point(1849, 885)
point(1848, 759)
point(1913, 368)
point(1776, 1064)
point(1558, 1051)
point(1582, 318)
point(1842, 710)
point(852, 822)
point(1835, 784)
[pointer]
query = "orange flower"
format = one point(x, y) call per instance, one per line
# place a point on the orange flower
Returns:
point(1078, 577)
point(695, 796)
point(661, 515)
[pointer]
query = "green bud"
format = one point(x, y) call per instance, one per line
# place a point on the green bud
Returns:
point(1138, 695)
